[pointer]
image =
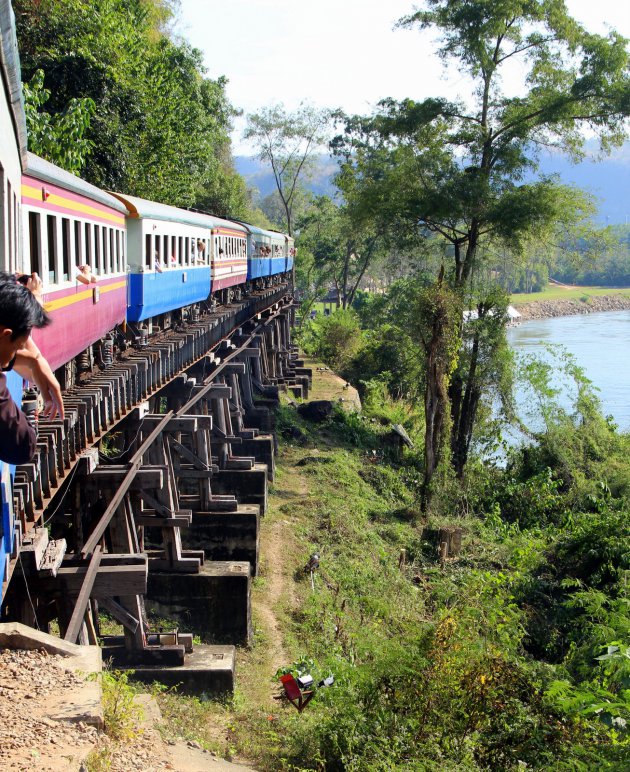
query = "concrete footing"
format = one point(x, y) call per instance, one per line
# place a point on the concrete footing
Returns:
point(207, 670)
point(260, 417)
point(262, 449)
point(226, 535)
point(248, 485)
point(215, 603)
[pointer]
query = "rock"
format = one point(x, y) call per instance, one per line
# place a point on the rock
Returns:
point(548, 309)
point(294, 433)
point(317, 411)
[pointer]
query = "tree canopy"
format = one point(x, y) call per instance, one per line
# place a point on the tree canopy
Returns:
point(160, 126)
point(287, 141)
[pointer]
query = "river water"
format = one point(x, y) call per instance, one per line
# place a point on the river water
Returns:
point(600, 344)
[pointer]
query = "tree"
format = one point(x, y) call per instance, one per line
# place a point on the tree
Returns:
point(160, 127)
point(436, 324)
point(465, 170)
point(342, 248)
point(58, 138)
point(287, 142)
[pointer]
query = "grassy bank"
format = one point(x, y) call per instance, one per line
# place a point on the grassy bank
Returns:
point(554, 292)
point(469, 663)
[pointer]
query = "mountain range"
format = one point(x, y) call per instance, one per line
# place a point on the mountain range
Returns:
point(608, 179)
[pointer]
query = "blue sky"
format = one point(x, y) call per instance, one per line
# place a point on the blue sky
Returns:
point(333, 53)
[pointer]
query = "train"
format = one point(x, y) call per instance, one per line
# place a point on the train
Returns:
point(115, 268)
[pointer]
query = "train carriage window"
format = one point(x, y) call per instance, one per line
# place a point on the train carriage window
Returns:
point(65, 249)
point(180, 250)
point(119, 261)
point(148, 257)
point(113, 262)
point(78, 245)
point(187, 260)
point(105, 250)
point(88, 245)
point(10, 261)
point(34, 242)
point(51, 229)
point(97, 249)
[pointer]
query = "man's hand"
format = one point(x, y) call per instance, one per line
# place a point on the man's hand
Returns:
point(32, 366)
point(36, 286)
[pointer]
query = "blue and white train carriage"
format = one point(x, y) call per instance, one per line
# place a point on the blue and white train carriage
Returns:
point(177, 258)
point(270, 255)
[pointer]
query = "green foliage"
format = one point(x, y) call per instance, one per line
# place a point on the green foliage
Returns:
point(342, 247)
point(465, 170)
point(334, 339)
point(58, 138)
point(158, 127)
point(121, 713)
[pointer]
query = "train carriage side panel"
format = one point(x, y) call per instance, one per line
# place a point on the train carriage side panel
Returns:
point(69, 223)
point(229, 256)
point(169, 258)
point(258, 251)
point(278, 261)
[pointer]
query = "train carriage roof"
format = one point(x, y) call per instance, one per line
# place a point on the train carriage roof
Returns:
point(254, 229)
point(11, 75)
point(47, 172)
point(140, 208)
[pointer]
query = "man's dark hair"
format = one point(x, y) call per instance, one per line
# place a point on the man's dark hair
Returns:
point(20, 310)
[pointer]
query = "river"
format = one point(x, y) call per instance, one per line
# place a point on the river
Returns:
point(600, 344)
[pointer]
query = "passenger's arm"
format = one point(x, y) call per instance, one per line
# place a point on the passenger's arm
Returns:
point(32, 366)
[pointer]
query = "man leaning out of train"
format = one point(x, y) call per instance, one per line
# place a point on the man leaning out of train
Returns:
point(20, 312)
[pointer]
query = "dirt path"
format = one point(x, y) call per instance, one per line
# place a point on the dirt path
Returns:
point(278, 555)
point(281, 553)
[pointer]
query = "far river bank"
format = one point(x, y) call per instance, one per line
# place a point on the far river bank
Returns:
point(591, 304)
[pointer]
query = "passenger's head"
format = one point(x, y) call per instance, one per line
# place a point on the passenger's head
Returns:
point(19, 313)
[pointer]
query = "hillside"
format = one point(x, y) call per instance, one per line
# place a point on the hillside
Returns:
point(607, 179)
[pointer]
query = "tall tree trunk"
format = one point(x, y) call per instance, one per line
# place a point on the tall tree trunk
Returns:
point(467, 403)
point(440, 326)
point(435, 405)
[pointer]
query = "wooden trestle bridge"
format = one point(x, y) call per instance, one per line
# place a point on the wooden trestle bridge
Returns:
point(156, 478)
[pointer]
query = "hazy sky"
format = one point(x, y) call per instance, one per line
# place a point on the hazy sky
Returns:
point(333, 53)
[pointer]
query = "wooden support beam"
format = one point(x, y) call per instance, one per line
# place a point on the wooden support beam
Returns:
point(235, 368)
point(76, 620)
point(125, 485)
point(216, 391)
point(220, 436)
point(188, 455)
point(111, 581)
point(147, 477)
point(182, 423)
point(154, 504)
point(155, 521)
point(53, 557)
point(120, 614)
